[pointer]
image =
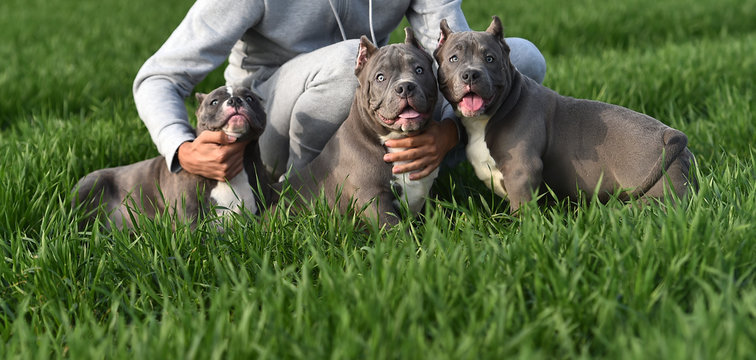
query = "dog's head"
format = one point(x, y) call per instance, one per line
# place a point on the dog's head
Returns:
point(474, 70)
point(397, 84)
point(234, 110)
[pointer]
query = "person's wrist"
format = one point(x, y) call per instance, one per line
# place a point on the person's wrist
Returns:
point(452, 131)
point(181, 153)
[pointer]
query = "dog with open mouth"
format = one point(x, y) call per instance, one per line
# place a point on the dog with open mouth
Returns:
point(151, 188)
point(396, 96)
point(523, 136)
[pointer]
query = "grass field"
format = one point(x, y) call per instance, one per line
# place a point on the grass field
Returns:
point(465, 281)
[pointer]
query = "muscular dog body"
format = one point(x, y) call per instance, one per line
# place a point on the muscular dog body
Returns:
point(151, 188)
point(523, 135)
point(396, 97)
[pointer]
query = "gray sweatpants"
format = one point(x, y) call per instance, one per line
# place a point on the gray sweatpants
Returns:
point(308, 98)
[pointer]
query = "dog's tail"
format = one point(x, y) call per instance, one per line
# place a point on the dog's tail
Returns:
point(675, 144)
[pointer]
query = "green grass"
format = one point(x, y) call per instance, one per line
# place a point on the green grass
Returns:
point(465, 280)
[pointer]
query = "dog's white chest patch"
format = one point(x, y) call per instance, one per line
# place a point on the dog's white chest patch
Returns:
point(230, 196)
point(480, 157)
point(413, 192)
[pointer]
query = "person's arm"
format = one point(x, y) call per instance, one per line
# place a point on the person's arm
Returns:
point(200, 43)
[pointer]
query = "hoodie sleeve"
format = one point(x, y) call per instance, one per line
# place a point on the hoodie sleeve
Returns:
point(201, 42)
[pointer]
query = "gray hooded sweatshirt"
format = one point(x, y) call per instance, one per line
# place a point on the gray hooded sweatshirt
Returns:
point(258, 36)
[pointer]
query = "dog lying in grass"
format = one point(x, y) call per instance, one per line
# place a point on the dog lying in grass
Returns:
point(149, 187)
point(522, 135)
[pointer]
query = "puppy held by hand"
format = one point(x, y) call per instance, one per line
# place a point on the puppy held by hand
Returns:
point(151, 188)
point(396, 96)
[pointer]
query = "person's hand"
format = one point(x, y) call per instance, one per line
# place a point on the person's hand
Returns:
point(425, 151)
point(213, 154)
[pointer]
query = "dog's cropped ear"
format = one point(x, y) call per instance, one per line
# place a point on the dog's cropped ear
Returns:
point(366, 50)
point(410, 39)
point(445, 32)
point(495, 28)
point(200, 98)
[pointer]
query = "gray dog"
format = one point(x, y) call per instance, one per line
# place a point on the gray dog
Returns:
point(523, 135)
point(396, 96)
point(150, 187)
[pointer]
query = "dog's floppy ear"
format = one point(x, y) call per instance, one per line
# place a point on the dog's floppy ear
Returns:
point(495, 28)
point(445, 32)
point(410, 39)
point(366, 50)
point(200, 98)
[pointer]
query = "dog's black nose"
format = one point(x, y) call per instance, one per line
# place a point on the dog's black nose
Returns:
point(234, 101)
point(470, 75)
point(404, 88)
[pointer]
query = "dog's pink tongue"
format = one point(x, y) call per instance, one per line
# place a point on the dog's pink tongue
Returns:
point(409, 113)
point(472, 102)
point(237, 125)
point(236, 121)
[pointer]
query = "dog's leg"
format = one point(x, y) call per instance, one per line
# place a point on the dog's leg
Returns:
point(382, 209)
point(677, 179)
point(520, 179)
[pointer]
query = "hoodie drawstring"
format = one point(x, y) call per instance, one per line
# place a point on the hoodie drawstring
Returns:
point(341, 26)
point(370, 18)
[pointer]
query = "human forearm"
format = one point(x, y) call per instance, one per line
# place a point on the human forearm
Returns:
point(163, 112)
point(200, 43)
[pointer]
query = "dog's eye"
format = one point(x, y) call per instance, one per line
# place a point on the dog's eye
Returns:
point(419, 70)
point(214, 102)
point(489, 59)
point(454, 58)
point(380, 77)
point(249, 99)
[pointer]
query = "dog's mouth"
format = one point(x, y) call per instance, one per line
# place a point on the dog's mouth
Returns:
point(237, 125)
point(472, 104)
point(407, 120)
